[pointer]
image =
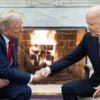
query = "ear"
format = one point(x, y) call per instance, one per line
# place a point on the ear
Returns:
point(5, 31)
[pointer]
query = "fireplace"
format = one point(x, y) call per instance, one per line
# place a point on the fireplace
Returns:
point(39, 47)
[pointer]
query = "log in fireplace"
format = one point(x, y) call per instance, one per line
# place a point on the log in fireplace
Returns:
point(40, 47)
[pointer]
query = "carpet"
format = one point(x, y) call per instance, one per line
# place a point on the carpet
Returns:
point(46, 97)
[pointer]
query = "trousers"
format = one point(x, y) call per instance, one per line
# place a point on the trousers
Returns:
point(84, 87)
point(16, 91)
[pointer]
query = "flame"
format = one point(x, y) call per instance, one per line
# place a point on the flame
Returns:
point(43, 37)
point(43, 46)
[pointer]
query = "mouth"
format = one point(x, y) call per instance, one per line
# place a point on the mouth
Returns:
point(91, 31)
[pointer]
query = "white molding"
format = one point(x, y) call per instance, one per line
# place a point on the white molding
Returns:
point(13, 3)
point(61, 3)
point(48, 3)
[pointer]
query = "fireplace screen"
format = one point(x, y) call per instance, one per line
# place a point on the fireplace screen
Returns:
point(40, 47)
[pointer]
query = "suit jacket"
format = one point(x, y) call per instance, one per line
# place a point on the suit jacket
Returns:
point(8, 71)
point(87, 47)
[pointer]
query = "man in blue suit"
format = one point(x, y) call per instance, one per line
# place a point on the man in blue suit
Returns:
point(13, 82)
point(87, 47)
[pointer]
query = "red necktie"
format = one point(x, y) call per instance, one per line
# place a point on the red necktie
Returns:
point(9, 50)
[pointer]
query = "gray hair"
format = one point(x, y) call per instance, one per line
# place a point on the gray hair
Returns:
point(8, 17)
point(95, 10)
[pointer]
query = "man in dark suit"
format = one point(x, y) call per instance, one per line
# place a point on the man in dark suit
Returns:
point(87, 47)
point(13, 82)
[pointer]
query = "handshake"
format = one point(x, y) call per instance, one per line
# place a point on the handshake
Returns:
point(41, 74)
point(37, 76)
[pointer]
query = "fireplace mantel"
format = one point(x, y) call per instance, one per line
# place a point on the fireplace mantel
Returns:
point(52, 17)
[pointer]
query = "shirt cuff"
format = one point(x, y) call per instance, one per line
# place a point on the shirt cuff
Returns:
point(48, 68)
point(31, 79)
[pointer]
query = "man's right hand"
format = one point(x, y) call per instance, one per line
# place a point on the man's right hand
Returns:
point(45, 72)
point(37, 76)
point(41, 74)
point(3, 83)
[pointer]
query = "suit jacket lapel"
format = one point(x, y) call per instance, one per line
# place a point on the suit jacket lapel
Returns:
point(4, 44)
point(94, 47)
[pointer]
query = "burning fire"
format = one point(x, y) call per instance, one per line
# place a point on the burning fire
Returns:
point(43, 37)
point(43, 46)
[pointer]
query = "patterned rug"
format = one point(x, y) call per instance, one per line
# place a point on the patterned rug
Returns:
point(46, 97)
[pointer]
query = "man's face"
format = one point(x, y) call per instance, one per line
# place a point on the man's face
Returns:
point(93, 25)
point(15, 29)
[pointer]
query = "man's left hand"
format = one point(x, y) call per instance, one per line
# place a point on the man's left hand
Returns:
point(97, 92)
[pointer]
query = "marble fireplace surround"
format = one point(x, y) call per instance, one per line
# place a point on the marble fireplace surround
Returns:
point(52, 17)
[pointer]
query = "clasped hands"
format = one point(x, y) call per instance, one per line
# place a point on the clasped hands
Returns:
point(41, 74)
